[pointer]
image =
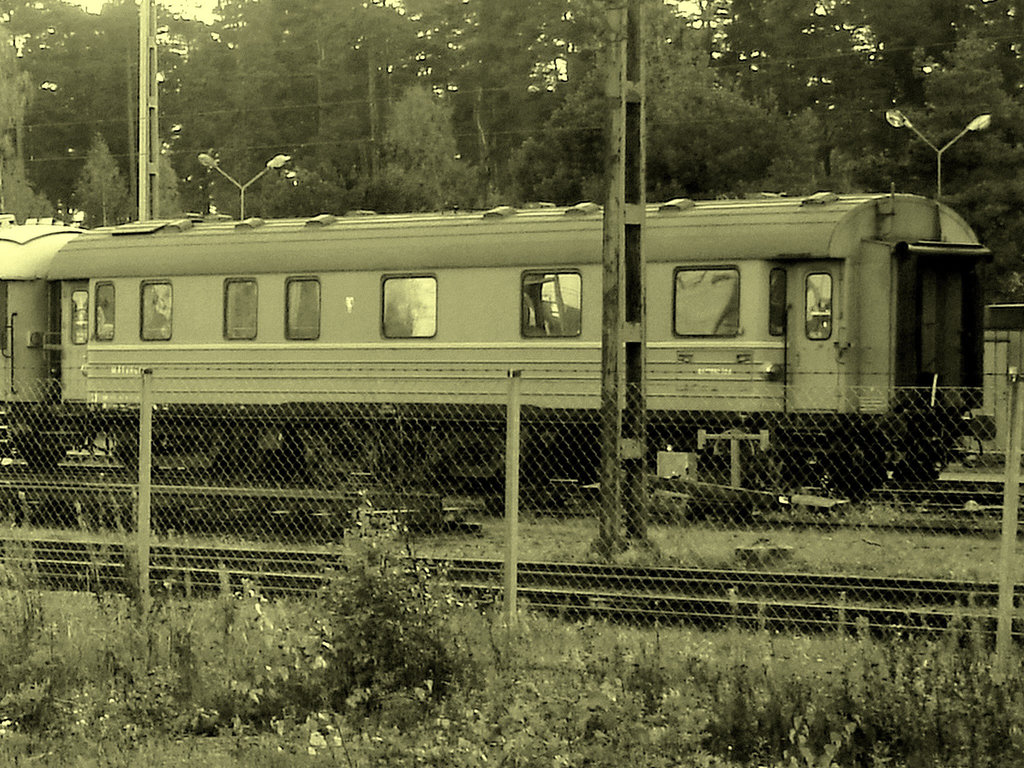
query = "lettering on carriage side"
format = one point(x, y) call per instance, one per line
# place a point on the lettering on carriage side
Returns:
point(715, 371)
point(125, 370)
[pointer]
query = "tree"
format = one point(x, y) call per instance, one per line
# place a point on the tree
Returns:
point(503, 64)
point(983, 175)
point(81, 71)
point(16, 195)
point(101, 193)
point(421, 169)
point(704, 137)
point(168, 204)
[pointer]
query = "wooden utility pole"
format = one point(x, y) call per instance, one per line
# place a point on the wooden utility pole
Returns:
point(623, 336)
point(149, 133)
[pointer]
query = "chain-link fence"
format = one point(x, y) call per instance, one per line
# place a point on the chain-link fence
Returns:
point(866, 507)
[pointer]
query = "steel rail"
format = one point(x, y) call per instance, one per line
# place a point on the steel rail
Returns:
point(756, 599)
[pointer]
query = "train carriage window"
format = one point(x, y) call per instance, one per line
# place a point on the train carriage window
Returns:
point(707, 302)
point(409, 307)
point(818, 315)
point(157, 309)
point(79, 317)
point(551, 304)
point(302, 310)
point(240, 309)
point(777, 302)
point(104, 311)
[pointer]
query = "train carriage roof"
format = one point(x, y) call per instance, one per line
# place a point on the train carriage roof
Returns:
point(27, 250)
point(823, 226)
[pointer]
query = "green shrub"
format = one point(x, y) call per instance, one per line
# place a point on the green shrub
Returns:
point(861, 702)
point(244, 660)
point(391, 643)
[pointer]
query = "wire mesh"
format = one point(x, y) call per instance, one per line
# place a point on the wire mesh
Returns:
point(859, 507)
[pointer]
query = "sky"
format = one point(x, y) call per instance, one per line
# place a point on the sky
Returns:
point(196, 9)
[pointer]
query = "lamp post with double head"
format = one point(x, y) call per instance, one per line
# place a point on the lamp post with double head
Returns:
point(897, 119)
point(208, 161)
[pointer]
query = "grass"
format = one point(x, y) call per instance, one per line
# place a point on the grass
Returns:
point(862, 549)
point(544, 693)
point(853, 551)
point(353, 677)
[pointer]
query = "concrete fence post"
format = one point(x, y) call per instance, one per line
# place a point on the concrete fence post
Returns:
point(512, 428)
point(1008, 542)
point(143, 521)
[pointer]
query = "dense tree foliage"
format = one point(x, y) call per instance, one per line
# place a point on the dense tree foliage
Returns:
point(427, 104)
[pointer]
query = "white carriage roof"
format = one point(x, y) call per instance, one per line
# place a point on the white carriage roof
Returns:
point(823, 226)
point(27, 250)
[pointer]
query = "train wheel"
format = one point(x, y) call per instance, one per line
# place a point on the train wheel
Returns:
point(970, 449)
point(126, 446)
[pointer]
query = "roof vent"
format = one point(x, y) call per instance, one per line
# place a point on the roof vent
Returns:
point(323, 220)
point(139, 228)
point(581, 209)
point(676, 205)
point(178, 225)
point(820, 198)
point(501, 212)
point(253, 222)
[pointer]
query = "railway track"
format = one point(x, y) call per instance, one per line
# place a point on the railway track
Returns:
point(99, 498)
point(945, 494)
point(91, 499)
point(706, 598)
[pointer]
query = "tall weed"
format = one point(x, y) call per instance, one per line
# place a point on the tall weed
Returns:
point(389, 637)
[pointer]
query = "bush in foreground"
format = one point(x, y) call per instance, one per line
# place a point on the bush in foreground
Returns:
point(391, 642)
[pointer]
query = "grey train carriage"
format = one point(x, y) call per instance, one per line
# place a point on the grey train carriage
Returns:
point(846, 329)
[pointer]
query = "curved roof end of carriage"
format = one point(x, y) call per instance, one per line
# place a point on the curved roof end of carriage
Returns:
point(27, 250)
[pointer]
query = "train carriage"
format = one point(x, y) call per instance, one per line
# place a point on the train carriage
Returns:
point(806, 318)
point(29, 356)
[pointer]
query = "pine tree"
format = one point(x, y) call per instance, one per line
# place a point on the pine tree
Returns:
point(101, 192)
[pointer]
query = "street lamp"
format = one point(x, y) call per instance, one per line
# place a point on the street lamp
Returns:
point(208, 161)
point(897, 119)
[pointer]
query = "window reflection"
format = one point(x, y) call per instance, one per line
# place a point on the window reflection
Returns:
point(302, 313)
point(156, 311)
point(240, 309)
point(818, 317)
point(104, 311)
point(707, 302)
point(551, 304)
point(79, 317)
point(410, 307)
point(777, 302)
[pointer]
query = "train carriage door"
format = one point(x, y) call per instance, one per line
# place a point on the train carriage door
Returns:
point(938, 323)
point(74, 336)
point(812, 336)
point(7, 387)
